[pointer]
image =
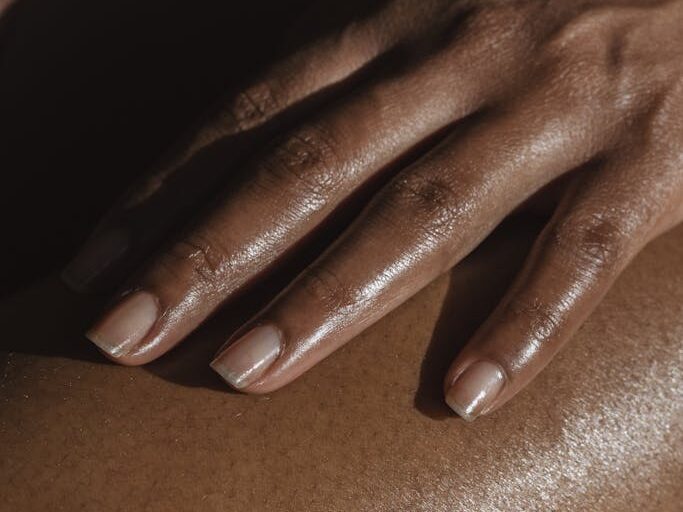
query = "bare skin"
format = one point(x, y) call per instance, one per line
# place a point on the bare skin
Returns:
point(521, 93)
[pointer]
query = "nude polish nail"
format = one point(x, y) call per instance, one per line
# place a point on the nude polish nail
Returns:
point(475, 389)
point(96, 255)
point(122, 328)
point(244, 361)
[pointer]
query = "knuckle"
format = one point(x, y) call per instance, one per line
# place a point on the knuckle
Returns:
point(599, 57)
point(307, 160)
point(197, 257)
point(253, 106)
point(430, 202)
point(539, 321)
point(596, 241)
point(328, 290)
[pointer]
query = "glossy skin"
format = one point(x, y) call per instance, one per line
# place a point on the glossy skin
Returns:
point(519, 93)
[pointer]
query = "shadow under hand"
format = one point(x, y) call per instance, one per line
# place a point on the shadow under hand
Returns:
point(475, 287)
point(47, 319)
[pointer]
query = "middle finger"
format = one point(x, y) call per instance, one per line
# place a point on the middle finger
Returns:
point(427, 219)
point(294, 187)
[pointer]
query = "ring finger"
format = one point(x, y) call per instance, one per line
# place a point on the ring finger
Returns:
point(428, 218)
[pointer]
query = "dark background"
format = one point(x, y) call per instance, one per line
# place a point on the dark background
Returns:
point(92, 93)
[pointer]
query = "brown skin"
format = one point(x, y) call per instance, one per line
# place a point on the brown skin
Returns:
point(547, 88)
point(599, 430)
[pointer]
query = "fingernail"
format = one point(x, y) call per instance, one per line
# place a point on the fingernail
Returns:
point(243, 362)
point(119, 331)
point(475, 389)
point(96, 255)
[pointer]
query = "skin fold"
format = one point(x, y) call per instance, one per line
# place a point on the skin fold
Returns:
point(453, 115)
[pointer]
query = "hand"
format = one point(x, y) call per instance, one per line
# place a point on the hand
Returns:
point(499, 98)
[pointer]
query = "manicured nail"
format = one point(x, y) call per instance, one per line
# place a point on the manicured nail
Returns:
point(96, 255)
point(249, 357)
point(475, 389)
point(122, 328)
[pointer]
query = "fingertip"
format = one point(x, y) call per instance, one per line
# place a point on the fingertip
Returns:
point(475, 388)
point(119, 333)
point(245, 361)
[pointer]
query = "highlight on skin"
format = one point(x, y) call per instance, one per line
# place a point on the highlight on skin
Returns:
point(493, 102)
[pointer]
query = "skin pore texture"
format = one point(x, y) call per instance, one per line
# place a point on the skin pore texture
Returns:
point(454, 115)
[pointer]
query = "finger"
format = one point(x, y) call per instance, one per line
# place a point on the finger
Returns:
point(293, 188)
point(600, 225)
point(422, 223)
point(287, 92)
point(203, 159)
